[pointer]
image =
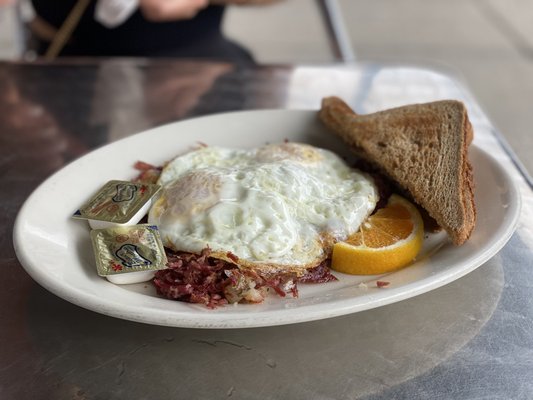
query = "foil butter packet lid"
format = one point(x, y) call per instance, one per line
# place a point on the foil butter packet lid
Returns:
point(128, 249)
point(118, 202)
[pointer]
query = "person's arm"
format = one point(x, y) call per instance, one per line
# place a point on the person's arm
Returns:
point(171, 10)
point(243, 2)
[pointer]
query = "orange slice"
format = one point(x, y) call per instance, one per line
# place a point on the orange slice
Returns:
point(388, 240)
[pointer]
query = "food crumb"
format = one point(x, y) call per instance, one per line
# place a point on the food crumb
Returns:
point(230, 391)
point(381, 284)
point(362, 285)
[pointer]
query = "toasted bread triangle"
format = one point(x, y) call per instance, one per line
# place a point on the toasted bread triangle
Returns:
point(421, 147)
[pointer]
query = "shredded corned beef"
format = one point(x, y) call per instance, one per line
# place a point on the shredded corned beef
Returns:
point(148, 173)
point(203, 279)
point(193, 278)
point(320, 274)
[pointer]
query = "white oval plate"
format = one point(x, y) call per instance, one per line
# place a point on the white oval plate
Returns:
point(56, 250)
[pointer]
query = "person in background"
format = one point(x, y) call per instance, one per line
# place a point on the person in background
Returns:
point(139, 28)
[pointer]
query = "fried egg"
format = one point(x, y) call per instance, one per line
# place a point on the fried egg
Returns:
point(277, 208)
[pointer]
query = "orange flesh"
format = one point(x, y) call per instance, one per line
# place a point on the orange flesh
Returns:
point(386, 227)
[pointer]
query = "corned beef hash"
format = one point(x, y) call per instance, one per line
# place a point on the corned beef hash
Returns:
point(238, 223)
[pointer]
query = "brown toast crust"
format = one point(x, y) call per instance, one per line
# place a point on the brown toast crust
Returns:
point(421, 147)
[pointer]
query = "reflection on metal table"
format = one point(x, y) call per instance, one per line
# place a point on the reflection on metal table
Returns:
point(469, 339)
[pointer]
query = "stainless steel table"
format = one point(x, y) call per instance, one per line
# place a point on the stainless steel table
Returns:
point(471, 339)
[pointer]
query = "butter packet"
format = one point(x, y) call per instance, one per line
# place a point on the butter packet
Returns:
point(128, 254)
point(118, 203)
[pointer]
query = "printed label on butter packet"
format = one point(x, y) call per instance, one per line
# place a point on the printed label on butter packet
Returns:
point(117, 201)
point(125, 249)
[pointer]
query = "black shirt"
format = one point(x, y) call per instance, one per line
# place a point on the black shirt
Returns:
point(198, 37)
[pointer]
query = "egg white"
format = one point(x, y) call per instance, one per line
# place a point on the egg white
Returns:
point(280, 205)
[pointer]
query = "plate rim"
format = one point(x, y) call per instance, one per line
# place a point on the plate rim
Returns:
point(266, 318)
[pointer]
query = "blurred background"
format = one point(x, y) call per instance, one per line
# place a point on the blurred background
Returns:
point(486, 44)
